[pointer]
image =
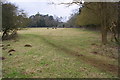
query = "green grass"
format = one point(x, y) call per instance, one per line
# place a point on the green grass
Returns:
point(59, 53)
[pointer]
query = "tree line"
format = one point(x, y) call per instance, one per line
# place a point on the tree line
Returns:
point(14, 19)
point(39, 20)
point(104, 15)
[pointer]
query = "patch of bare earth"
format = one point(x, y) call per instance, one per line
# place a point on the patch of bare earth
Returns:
point(105, 50)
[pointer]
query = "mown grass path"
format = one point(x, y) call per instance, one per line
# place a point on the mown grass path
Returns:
point(55, 53)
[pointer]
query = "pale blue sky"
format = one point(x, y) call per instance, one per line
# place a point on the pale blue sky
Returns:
point(31, 7)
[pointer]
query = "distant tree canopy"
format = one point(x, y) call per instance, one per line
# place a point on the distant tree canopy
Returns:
point(12, 19)
point(39, 20)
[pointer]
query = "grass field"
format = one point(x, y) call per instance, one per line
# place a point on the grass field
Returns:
point(59, 53)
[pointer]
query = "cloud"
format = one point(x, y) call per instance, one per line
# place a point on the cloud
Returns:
point(101, 0)
point(29, 0)
point(56, 1)
point(31, 7)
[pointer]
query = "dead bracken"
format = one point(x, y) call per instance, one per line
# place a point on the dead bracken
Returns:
point(8, 45)
point(10, 54)
point(95, 52)
point(27, 45)
point(11, 50)
point(4, 48)
point(1, 45)
point(79, 55)
point(93, 44)
point(2, 58)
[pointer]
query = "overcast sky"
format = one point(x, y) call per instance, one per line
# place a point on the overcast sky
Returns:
point(31, 7)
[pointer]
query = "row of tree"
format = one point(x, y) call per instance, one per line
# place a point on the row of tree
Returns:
point(39, 20)
point(102, 14)
point(14, 19)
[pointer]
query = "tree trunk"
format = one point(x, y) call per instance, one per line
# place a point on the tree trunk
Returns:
point(103, 17)
point(118, 25)
point(104, 36)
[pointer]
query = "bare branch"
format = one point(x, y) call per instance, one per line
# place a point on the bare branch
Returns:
point(68, 4)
